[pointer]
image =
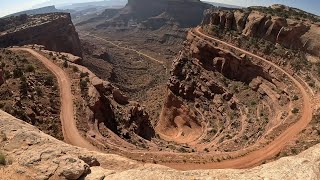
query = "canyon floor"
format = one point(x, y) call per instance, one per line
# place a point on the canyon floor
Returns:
point(152, 98)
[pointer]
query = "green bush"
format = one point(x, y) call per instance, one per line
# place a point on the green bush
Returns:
point(2, 159)
point(24, 85)
point(49, 81)
point(17, 73)
point(39, 91)
point(83, 85)
point(75, 69)
point(295, 97)
point(295, 110)
point(30, 68)
point(82, 74)
point(65, 64)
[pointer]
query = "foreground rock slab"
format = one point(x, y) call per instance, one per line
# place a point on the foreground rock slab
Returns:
point(31, 154)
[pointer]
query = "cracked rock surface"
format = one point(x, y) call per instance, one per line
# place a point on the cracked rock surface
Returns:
point(31, 154)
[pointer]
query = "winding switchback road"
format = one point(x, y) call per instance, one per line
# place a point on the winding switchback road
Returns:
point(258, 156)
point(70, 132)
point(251, 159)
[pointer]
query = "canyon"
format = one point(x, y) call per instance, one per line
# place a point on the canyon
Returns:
point(160, 90)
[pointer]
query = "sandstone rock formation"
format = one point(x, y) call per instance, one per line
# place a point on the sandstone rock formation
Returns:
point(31, 154)
point(157, 13)
point(111, 110)
point(55, 31)
point(291, 33)
point(214, 93)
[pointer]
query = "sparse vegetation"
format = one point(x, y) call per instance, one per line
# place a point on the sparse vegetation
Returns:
point(24, 86)
point(295, 98)
point(295, 110)
point(75, 68)
point(82, 74)
point(2, 159)
point(49, 80)
point(83, 85)
point(39, 91)
point(30, 68)
point(65, 64)
point(17, 72)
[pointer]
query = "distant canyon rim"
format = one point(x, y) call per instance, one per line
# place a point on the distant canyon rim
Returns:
point(225, 88)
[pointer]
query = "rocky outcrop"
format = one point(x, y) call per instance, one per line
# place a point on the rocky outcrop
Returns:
point(110, 108)
point(290, 33)
point(139, 122)
point(1, 77)
point(31, 154)
point(157, 13)
point(55, 31)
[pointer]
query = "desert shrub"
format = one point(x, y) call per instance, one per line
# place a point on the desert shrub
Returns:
point(295, 97)
point(7, 74)
point(75, 68)
point(65, 64)
point(55, 87)
point(21, 114)
point(39, 91)
point(50, 54)
point(83, 85)
point(295, 110)
point(206, 149)
point(24, 85)
point(82, 74)
point(183, 150)
point(64, 57)
point(17, 73)
point(24, 60)
point(2, 159)
point(30, 68)
point(49, 81)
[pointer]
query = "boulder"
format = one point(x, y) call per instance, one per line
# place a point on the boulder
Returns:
point(90, 160)
point(119, 97)
point(72, 168)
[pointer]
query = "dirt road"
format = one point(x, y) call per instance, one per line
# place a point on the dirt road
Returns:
point(124, 47)
point(251, 159)
point(273, 148)
point(70, 132)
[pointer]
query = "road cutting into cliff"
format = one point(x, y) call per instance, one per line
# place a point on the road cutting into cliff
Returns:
point(251, 159)
point(70, 132)
point(273, 148)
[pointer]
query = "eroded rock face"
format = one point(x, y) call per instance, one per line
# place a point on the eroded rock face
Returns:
point(157, 13)
point(287, 32)
point(110, 108)
point(35, 155)
point(55, 31)
point(139, 122)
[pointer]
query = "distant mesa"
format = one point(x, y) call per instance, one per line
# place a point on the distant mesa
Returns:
point(55, 31)
point(153, 14)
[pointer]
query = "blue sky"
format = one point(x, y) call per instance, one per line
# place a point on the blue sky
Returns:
point(11, 6)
